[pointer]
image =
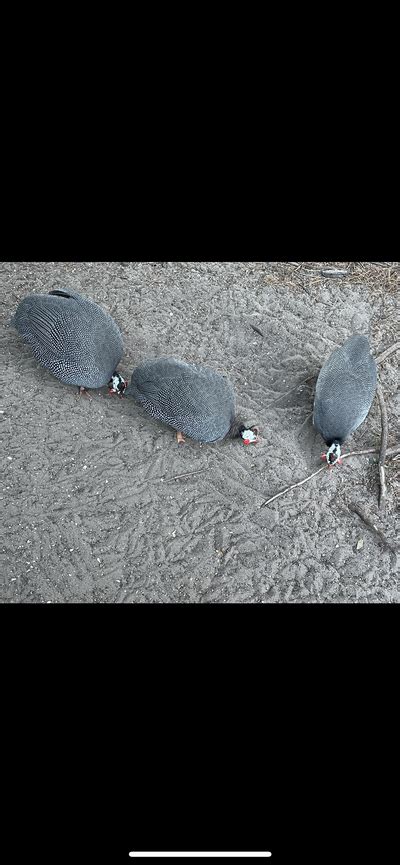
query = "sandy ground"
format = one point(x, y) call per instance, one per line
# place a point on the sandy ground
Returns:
point(91, 508)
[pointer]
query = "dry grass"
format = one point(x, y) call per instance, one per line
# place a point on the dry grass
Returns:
point(307, 274)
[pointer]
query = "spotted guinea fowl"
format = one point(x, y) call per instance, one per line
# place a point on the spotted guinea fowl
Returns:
point(344, 392)
point(72, 337)
point(195, 400)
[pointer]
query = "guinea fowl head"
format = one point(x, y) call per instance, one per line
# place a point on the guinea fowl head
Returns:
point(249, 434)
point(117, 384)
point(333, 454)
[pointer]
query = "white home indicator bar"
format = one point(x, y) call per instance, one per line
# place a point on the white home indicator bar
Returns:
point(180, 855)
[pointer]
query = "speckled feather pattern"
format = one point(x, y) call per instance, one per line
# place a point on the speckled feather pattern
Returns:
point(72, 337)
point(193, 399)
point(345, 389)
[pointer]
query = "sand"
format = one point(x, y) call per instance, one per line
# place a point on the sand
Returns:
point(100, 504)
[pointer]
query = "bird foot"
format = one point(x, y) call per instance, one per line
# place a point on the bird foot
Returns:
point(180, 438)
point(83, 392)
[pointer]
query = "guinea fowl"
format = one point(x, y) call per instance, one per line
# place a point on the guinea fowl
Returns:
point(72, 337)
point(195, 400)
point(344, 392)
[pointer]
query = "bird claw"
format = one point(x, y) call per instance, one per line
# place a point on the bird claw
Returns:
point(83, 392)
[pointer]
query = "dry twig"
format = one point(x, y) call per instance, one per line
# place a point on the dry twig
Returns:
point(352, 506)
point(184, 475)
point(389, 351)
point(382, 454)
point(293, 486)
point(333, 271)
point(390, 452)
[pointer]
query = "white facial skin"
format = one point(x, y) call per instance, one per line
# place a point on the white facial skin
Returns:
point(249, 435)
point(116, 382)
point(334, 451)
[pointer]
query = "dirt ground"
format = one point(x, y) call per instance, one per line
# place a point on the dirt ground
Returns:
point(100, 504)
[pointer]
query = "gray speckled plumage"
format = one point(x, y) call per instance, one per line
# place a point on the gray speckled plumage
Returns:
point(71, 336)
point(195, 400)
point(345, 389)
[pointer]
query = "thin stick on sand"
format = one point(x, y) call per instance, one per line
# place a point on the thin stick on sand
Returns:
point(352, 506)
point(382, 454)
point(387, 353)
point(390, 452)
point(184, 475)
